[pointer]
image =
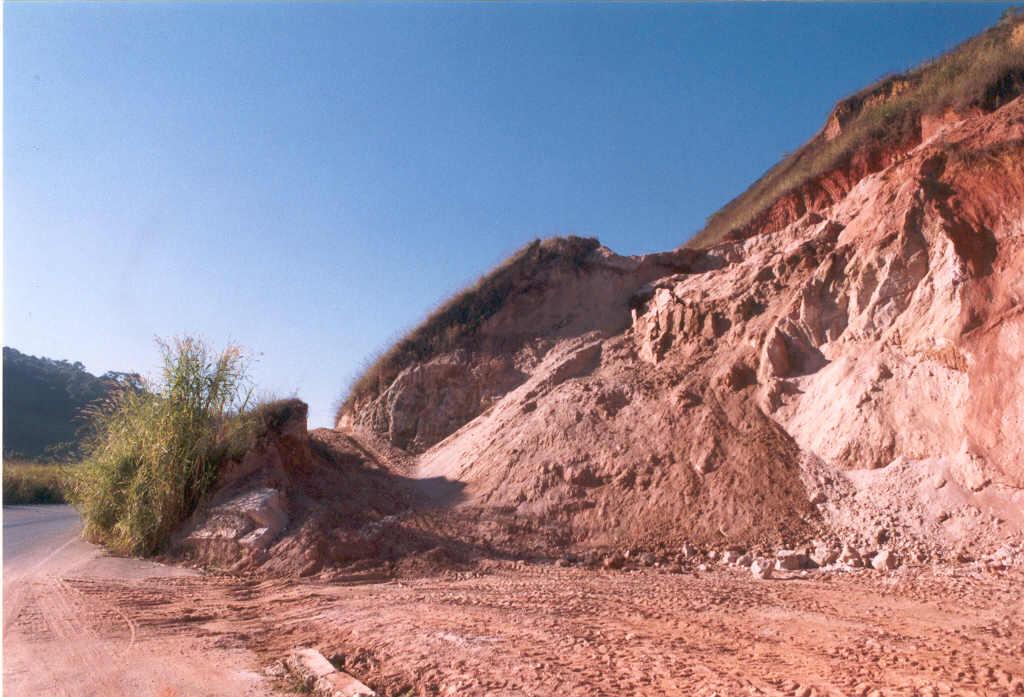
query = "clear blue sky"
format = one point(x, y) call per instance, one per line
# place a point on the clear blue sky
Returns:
point(309, 180)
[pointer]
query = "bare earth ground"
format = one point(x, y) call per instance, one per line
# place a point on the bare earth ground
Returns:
point(552, 631)
point(80, 623)
point(77, 622)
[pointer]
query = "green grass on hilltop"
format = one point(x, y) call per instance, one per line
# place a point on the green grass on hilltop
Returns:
point(985, 72)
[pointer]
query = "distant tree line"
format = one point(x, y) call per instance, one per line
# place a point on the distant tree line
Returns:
point(43, 401)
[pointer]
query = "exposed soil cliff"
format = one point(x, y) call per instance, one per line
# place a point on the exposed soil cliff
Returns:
point(869, 130)
point(848, 368)
point(848, 364)
point(489, 339)
point(884, 334)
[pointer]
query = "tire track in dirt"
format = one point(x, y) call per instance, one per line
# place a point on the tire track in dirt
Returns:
point(78, 623)
point(513, 629)
point(543, 630)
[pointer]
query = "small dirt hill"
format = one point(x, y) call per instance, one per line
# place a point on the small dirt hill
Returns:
point(322, 502)
point(490, 338)
point(840, 355)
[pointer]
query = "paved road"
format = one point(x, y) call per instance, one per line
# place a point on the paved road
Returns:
point(31, 531)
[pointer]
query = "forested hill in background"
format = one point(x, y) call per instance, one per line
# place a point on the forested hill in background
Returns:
point(43, 399)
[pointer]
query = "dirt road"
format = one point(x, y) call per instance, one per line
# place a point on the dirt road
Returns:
point(79, 623)
point(543, 630)
point(75, 624)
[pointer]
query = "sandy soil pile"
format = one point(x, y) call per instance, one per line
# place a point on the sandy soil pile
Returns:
point(847, 376)
point(295, 503)
point(323, 503)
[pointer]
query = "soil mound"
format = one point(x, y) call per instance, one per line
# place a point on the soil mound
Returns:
point(846, 368)
point(324, 503)
point(843, 373)
point(295, 503)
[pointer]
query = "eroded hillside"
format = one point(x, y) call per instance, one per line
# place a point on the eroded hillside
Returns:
point(844, 368)
point(844, 363)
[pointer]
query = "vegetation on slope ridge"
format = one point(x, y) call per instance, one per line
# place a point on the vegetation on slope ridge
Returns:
point(455, 322)
point(984, 72)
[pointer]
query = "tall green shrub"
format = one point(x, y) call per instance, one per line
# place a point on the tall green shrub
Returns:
point(154, 453)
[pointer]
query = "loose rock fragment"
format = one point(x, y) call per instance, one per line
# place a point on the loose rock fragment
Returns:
point(613, 561)
point(850, 557)
point(884, 560)
point(321, 678)
point(761, 568)
point(823, 555)
point(791, 560)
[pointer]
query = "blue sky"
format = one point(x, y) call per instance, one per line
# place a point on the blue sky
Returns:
point(310, 180)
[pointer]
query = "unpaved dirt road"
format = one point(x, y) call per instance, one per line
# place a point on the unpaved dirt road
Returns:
point(75, 626)
point(77, 622)
point(543, 630)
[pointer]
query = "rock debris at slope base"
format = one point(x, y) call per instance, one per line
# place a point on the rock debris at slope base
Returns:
point(791, 560)
point(762, 569)
point(884, 561)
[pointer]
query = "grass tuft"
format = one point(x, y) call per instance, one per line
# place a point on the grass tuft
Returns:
point(154, 454)
point(984, 73)
point(30, 481)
